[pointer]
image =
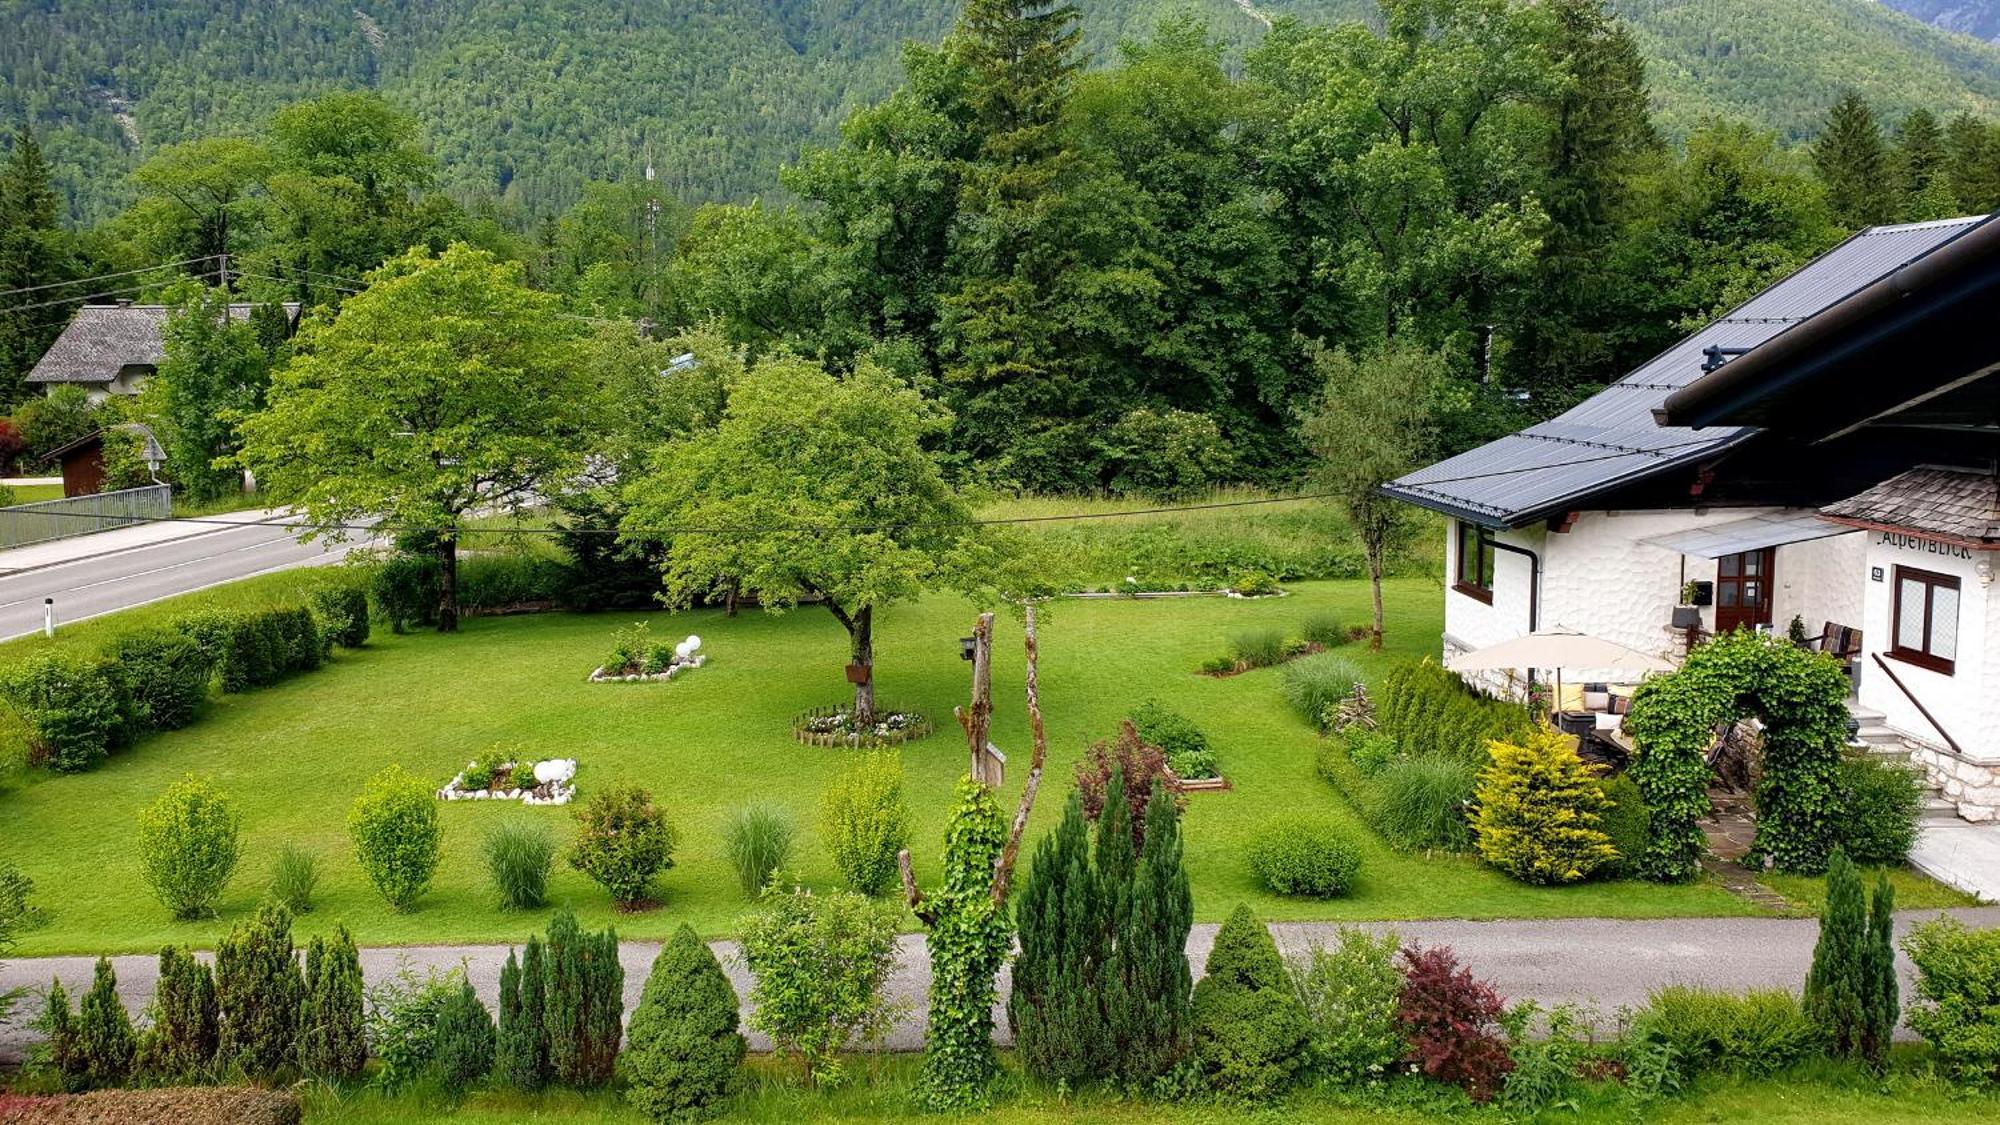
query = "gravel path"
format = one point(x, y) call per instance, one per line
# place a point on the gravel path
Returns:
point(1600, 963)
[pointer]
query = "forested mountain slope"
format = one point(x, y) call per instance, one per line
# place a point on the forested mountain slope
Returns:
point(1977, 18)
point(528, 100)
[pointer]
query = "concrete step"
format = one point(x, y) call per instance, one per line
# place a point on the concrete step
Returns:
point(1937, 808)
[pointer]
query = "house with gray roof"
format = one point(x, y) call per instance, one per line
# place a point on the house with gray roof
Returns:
point(112, 349)
point(1824, 454)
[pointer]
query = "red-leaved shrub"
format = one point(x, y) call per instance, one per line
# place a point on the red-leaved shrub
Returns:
point(1452, 1022)
point(1142, 766)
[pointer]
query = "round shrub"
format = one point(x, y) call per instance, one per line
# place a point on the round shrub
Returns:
point(1316, 685)
point(518, 857)
point(865, 823)
point(1627, 821)
point(1421, 803)
point(1302, 855)
point(397, 835)
point(343, 614)
point(77, 709)
point(1879, 806)
point(622, 841)
point(188, 844)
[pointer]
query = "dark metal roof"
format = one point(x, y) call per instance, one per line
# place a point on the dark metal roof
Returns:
point(102, 340)
point(1957, 504)
point(1612, 439)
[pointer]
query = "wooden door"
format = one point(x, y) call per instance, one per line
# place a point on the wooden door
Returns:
point(1743, 589)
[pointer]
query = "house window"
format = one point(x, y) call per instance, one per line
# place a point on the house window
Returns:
point(1926, 622)
point(1475, 562)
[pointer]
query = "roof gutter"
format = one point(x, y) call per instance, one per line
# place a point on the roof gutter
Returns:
point(1797, 353)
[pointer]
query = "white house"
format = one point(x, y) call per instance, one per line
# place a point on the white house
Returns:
point(1826, 452)
point(113, 349)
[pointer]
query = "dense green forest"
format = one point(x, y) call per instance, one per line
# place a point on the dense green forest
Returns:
point(525, 102)
point(1122, 274)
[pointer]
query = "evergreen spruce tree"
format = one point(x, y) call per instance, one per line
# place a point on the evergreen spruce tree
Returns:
point(1884, 997)
point(1057, 1007)
point(605, 1022)
point(1837, 987)
point(34, 251)
point(521, 1053)
point(105, 1043)
point(1151, 1024)
point(1116, 855)
point(58, 1052)
point(179, 1047)
point(1920, 153)
point(1251, 1032)
point(258, 992)
point(684, 1044)
point(330, 1035)
point(585, 1003)
point(464, 1048)
point(1853, 162)
point(1972, 164)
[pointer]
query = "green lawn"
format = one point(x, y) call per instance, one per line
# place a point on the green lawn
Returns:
point(295, 755)
point(1823, 1094)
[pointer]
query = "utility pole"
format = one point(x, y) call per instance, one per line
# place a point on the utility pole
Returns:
point(222, 279)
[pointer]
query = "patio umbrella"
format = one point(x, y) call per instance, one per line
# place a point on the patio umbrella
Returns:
point(1556, 649)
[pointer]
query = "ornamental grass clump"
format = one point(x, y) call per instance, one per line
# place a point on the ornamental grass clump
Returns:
point(294, 878)
point(622, 841)
point(1540, 812)
point(1316, 685)
point(188, 846)
point(759, 841)
point(518, 858)
point(397, 835)
point(1422, 803)
point(1258, 648)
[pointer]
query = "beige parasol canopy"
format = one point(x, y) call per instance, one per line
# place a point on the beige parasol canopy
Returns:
point(1558, 648)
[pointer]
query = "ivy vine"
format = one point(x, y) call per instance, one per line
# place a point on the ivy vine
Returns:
point(1801, 697)
point(970, 937)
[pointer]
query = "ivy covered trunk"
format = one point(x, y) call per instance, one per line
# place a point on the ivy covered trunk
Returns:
point(969, 939)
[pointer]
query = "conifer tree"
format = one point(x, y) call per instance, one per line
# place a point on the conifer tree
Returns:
point(258, 993)
point(1149, 976)
point(521, 1053)
point(1251, 1032)
point(1057, 1006)
point(330, 1034)
point(1853, 162)
point(58, 1052)
point(180, 1045)
point(104, 1040)
point(1883, 990)
point(1837, 987)
point(685, 1047)
point(1116, 856)
point(464, 1039)
point(1972, 164)
point(585, 1002)
point(34, 251)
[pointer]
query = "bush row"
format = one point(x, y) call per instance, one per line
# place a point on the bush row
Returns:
point(81, 706)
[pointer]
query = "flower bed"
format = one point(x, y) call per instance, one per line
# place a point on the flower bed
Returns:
point(500, 777)
point(834, 726)
point(635, 657)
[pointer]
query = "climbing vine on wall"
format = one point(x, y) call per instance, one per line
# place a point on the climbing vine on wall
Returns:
point(1802, 698)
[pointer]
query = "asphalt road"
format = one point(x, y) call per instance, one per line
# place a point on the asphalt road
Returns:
point(1602, 965)
point(101, 584)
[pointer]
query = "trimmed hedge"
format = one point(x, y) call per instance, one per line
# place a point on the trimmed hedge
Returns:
point(343, 615)
point(169, 673)
point(1305, 855)
point(260, 648)
point(1429, 711)
point(77, 708)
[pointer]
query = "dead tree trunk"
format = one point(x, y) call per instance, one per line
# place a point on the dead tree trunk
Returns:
point(977, 720)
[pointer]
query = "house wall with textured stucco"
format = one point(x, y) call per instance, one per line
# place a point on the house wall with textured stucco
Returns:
point(1967, 700)
point(1821, 580)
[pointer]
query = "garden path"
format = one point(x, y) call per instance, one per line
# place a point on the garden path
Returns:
point(1603, 964)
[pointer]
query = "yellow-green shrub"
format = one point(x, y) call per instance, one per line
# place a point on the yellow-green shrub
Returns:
point(1540, 811)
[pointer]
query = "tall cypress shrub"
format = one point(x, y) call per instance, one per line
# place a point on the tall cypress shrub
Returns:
point(105, 1043)
point(585, 1003)
point(330, 1034)
point(1056, 1008)
point(521, 1050)
point(1152, 1023)
point(1837, 987)
point(1116, 857)
point(259, 992)
point(58, 1053)
point(685, 1046)
point(180, 1045)
point(1884, 992)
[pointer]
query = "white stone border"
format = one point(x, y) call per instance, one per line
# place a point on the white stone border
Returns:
point(560, 791)
point(600, 676)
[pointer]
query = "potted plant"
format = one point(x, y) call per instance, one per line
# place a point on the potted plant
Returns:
point(1687, 615)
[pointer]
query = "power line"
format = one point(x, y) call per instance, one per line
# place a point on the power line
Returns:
point(90, 296)
point(101, 277)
